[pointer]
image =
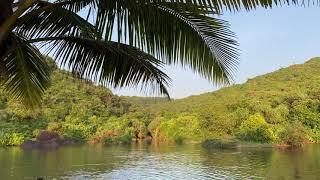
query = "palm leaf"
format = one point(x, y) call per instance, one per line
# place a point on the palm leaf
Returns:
point(53, 22)
point(166, 30)
point(237, 5)
point(216, 5)
point(162, 29)
point(27, 72)
point(107, 62)
point(182, 32)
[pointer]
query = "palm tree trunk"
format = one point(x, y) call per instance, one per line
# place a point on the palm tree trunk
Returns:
point(5, 12)
point(8, 22)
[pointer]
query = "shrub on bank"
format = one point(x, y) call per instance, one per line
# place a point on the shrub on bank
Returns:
point(108, 138)
point(76, 135)
point(180, 128)
point(256, 129)
point(219, 144)
point(11, 139)
point(154, 128)
point(118, 131)
point(314, 134)
point(15, 139)
point(124, 139)
point(294, 135)
point(55, 127)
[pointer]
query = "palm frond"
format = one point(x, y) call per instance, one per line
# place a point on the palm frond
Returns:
point(27, 72)
point(53, 22)
point(237, 5)
point(149, 33)
point(174, 33)
point(163, 29)
point(107, 62)
point(216, 5)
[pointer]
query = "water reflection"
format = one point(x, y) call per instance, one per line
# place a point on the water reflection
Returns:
point(141, 161)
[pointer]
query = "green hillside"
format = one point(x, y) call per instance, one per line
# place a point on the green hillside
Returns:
point(285, 100)
point(279, 107)
point(71, 107)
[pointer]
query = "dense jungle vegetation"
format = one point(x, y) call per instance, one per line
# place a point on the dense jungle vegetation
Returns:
point(282, 107)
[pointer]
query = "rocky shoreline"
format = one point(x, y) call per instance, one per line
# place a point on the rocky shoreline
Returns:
point(46, 140)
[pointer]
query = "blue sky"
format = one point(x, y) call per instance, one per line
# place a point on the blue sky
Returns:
point(269, 40)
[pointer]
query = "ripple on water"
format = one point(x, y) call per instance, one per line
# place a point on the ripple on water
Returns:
point(169, 166)
point(165, 162)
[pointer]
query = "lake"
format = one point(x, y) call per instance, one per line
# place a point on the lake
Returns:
point(142, 161)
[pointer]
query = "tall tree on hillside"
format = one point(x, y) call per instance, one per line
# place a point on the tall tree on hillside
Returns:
point(116, 42)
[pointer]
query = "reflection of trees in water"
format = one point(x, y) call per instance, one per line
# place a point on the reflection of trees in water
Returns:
point(161, 162)
point(142, 159)
point(269, 163)
point(89, 160)
point(296, 164)
point(237, 163)
point(64, 161)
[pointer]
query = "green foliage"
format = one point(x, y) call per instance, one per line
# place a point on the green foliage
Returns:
point(280, 98)
point(280, 107)
point(76, 130)
point(256, 129)
point(11, 139)
point(120, 131)
point(149, 35)
point(107, 140)
point(220, 144)
point(294, 135)
point(239, 115)
point(178, 139)
point(306, 111)
point(182, 127)
point(28, 75)
point(73, 108)
point(314, 134)
point(36, 132)
point(154, 127)
point(55, 127)
point(124, 139)
point(77, 135)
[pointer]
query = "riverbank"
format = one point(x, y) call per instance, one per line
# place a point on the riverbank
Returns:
point(50, 140)
point(46, 140)
point(237, 144)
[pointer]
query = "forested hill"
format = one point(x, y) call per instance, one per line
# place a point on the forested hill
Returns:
point(74, 108)
point(297, 81)
point(67, 97)
point(287, 96)
point(279, 107)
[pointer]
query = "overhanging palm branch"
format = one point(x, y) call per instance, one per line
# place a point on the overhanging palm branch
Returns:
point(149, 33)
point(107, 62)
point(27, 74)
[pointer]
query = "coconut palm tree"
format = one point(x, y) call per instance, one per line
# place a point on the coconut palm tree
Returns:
point(115, 42)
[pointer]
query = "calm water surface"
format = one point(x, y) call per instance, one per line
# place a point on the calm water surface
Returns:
point(141, 161)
